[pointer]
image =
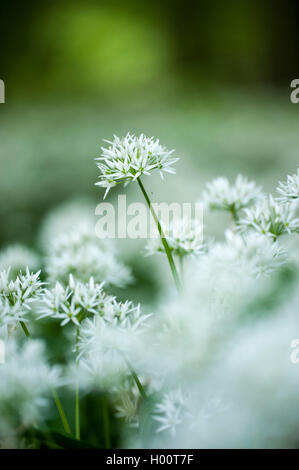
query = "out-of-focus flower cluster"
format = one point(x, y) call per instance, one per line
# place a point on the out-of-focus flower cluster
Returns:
point(25, 386)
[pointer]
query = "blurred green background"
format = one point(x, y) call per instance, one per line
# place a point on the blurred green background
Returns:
point(210, 79)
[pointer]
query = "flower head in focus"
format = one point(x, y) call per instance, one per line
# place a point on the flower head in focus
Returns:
point(74, 302)
point(289, 190)
point(127, 158)
point(270, 218)
point(222, 195)
point(16, 296)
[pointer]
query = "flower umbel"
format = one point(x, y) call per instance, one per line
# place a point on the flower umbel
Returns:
point(127, 158)
point(184, 237)
point(17, 296)
point(222, 195)
point(289, 191)
point(270, 218)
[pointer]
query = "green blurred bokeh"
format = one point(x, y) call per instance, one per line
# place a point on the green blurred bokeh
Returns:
point(211, 80)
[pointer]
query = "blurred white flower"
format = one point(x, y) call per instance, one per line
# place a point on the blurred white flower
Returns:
point(25, 385)
point(270, 218)
point(126, 401)
point(109, 340)
point(289, 190)
point(66, 218)
point(129, 157)
point(184, 237)
point(171, 411)
point(83, 255)
point(258, 254)
point(222, 195)
point(18, 258)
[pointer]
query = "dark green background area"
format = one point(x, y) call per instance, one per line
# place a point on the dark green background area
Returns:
point(210, 79)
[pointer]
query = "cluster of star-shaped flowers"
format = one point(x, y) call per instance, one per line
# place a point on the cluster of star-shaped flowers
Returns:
point(289, 190)
point(184, 236)
point(109, 341)
point(222, 195)
point(129, 157)
point(171, 411)
point(73, 302)
point(270, 217)
point(78, 301)
point(16, 296)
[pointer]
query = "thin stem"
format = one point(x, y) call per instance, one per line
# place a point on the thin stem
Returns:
point(77, 397)
point(163, 239)
point(61, 412)
point(54, 392)
point(106, 423)
point(25, 329)
point(234, 216)
point(181, 262)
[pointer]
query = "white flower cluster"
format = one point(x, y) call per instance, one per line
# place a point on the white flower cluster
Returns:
point(16, 296)
point(74, 302)
point(80, 253)
point(222, 195)
point(184, 237)
point(255, 253)
point(270, 218)
point(171, 411)
point(127, 158)
point(289, 190)
point(109, 340)
point(25, 385)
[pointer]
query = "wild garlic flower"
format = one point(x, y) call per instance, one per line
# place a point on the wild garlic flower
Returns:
point(18, 258)
point(257, 253)
point(83, 255)
point(127, 158)
point(74, 302)
point(184, 237)
point(126, 401)
point(270, 218)
point(25, 385)
point(171, 412)
point(289, 190)
point(109, 340)
point(222, 195)
point(17, 296)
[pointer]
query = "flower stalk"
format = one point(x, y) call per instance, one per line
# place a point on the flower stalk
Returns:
point(163, 239)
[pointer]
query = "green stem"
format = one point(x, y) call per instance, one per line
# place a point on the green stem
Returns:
point(136, 379)
point(162, 236)
point(54, 392)
point(106, 422)
point(77, 403)
point(25, 329)
point(61, 412)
